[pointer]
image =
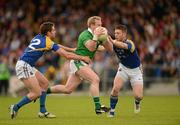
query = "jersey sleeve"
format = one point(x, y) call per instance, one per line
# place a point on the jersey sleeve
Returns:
point(85, 37)
point(132, 49)
point(50, 45)
point(55, 47)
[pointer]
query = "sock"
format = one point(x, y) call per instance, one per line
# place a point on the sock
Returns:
point(137, 101)
point(48, 91)
point(25, 100)
point(97, 102)
point(42, 102)
point(113, 102)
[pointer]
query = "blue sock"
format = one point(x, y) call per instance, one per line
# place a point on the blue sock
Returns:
point(25, 100)
point(42, 102)
point(113, 101)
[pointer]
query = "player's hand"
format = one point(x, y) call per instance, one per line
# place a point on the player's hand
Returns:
point(110, 40)
point(100, 31)
point(86, 59)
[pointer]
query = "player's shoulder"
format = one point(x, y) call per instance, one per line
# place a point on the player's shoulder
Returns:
point(48, 39)
point(85, 33)
point(40, 37)
point(129, 40)
point(133, 47)
point(43, 38)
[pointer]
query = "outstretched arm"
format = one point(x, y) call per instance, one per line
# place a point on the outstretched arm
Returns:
point(129, 45)
point(69, 55)
point(108, 45)
point(67, 48)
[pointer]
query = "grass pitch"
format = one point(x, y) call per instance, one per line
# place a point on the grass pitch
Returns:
point(73, 110)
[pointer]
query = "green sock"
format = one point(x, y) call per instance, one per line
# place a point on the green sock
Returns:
point(48, 91)
point(97, 102)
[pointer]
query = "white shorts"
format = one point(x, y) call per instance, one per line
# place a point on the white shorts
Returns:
point(24, 70)
point(75, 65)
point(134, 75)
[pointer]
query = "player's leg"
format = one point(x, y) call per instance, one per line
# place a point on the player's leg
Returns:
point(43, 82)
point(118, 83)
point(34, 92)
point(136, 80)
point(88, 74)
point(71, 84)
point(26, 74)
point(73, 80)
point(138, 95)
point(120, 78)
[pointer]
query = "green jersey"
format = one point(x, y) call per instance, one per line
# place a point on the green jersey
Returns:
point(81, 48)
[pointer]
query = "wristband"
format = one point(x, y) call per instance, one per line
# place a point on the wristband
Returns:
point(95, 38)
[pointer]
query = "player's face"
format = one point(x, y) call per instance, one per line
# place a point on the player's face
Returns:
point(120, 35)
point(97, 24)
point(52, 34)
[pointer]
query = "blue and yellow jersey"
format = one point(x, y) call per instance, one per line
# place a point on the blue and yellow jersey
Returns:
point(128, 58)
point(38, 45)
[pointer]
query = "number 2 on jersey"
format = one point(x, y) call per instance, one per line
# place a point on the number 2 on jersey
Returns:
point(34, 42)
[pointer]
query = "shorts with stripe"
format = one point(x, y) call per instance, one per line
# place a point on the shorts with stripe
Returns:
point(75, 65)
point(134, 75)
point(24, 70)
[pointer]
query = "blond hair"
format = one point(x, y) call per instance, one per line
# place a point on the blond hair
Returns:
point(91, 20)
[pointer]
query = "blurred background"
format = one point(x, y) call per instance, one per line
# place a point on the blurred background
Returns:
point(154, 26)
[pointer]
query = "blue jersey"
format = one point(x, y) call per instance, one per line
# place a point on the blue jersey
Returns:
point(38, 45)
point(127, 58)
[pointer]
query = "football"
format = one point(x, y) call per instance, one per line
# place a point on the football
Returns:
point(103, 38)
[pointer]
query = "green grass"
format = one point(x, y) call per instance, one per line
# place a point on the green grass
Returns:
point(72, 110)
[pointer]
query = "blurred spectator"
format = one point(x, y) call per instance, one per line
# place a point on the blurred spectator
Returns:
point(4, 75)
point(154, 25)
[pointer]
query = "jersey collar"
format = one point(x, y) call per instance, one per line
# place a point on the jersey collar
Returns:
point(89, 29)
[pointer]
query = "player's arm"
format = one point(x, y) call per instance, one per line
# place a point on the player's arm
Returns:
point(67, 48)
point(108, 45)
point(69, 55)
point(91, 45)
point(50, 44)
point(129, 45)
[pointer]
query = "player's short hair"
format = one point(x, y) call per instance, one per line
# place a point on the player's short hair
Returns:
point(91, 20)
point(46, 27)
point(121, 27)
